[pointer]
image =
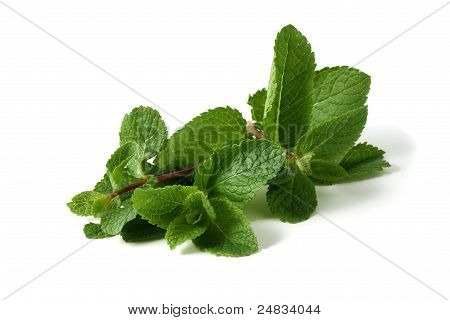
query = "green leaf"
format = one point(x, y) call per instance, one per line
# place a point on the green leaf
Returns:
point(258, 101)
point(139, 230)
point(104, 186)
point(160, 206)
point(193, 223)
point(94, 231)
point(331, 139)
point(180, 231)
point(145, 127)
point(327, 171)
point(199, 207)
point(88, 203)
point(364, 160)
point(199, 138)
point(122, 167)
point(237, 172)
point(114, 219)
point(289, 103)
point(336, 91)
point(121, 156)
point(230, 234)
point(294, 200)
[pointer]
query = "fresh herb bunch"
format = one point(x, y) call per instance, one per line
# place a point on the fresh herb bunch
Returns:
point(304, 129)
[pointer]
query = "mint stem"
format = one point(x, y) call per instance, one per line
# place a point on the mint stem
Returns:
point(175, 174)
point(160, 178)
point(251, 128)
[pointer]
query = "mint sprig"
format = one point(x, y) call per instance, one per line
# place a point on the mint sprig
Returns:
point(304, 133)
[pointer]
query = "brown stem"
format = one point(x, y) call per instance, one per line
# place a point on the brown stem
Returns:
point(251, 128)
point(290, 155)
point(160, 178)
point(130, 187)
point(175, 174)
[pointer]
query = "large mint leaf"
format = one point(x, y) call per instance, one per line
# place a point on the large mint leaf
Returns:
point(237, 172)
point(199, 138)
point(336, 91)
point(331, 139)
point(160, 206)
point(364, 160)
point(114, 219)
point(144, 126)
point(94, 231)
point(230, 234)
point(258, 101)
point(289, 103)
point(139, 230)
point(294, 199)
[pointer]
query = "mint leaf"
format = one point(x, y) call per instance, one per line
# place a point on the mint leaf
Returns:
point(104, 185)
point(289, 104)
point(160, 206)
point(88, 203)
point(193, 223)
point(230, 234)
point(237, 172)
point(114, 219)
point(293, 200)
point(258, 101)
point(327, 171)
point(180, 231)
point(94, 231)
point(139, 230)
point(336, 91)
point(331, 139)
point(199, 207)
point(122, 168)
point(145, 127)
point(364, 160)
point(199, 138)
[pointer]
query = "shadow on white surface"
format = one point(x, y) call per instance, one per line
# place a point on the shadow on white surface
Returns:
point(190, 249)
point(257, 208)
point(258, 213)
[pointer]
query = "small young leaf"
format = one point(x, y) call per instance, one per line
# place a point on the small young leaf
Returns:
point(88, 203)
point(289, 103)
point(94, 231)
point(145, 127)
point(230, 234)
point(293, 200)
point(199, 207)
point(336, 91)
point(364, 160)
point(180, 231)
point(331, 139)
point(193, 222)
point(104, 186)
point(160, 206)
point(114, 219)
point(258, 101)
point(237, 172)
point(139, 230)
point(199, 138)
point(122, 167)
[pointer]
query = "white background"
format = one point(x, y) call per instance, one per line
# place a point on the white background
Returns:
point(59, 121)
